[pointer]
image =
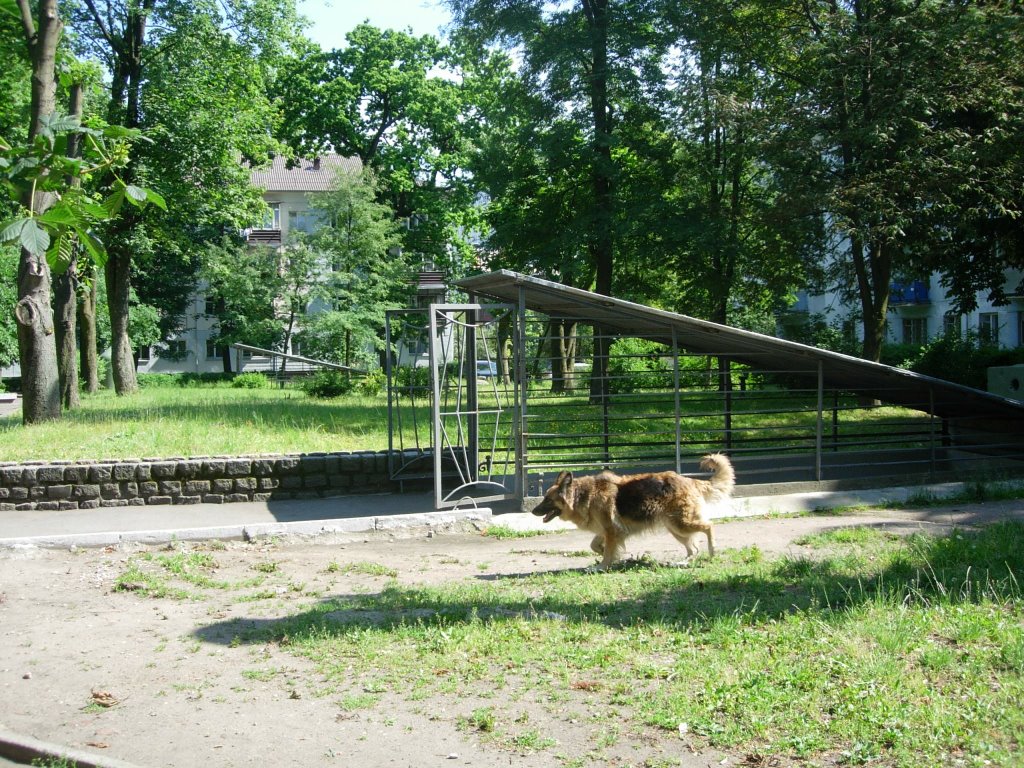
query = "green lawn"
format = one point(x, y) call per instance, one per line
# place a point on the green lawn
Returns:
point(200, 421)
point(872, 650)
point(222, 420)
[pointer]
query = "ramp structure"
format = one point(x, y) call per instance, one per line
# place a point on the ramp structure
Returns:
point(651, 389)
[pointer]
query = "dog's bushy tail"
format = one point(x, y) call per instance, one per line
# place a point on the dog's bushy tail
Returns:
point(723, 478)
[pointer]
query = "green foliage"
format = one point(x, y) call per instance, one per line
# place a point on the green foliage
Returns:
point(963, 360)
point(398, 103)
point(244, 285)
point(412, 377)
point(372, 384)
point(251, 380)
point(328, 384)
point(638, 365)
point(42, 171)
point(179, 380)
point(8, 297)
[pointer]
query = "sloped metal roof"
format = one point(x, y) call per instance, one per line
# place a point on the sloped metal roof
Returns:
point(306, 175)
point(852, 374)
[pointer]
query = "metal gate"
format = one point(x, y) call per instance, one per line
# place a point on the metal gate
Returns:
point(453, 402)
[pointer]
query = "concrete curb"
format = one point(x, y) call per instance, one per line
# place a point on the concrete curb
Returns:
point(347, 525)
point(25, 749)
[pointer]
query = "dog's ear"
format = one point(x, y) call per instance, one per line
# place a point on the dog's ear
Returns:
point(564, 481)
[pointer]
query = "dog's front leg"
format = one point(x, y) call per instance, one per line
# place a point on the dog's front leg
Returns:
point(597, 544)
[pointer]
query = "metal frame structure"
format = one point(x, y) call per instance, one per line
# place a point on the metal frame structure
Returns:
point(785, 412)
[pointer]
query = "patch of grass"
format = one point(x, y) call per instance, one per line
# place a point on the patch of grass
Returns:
point(482, 719)
point(365, 569)
point(855, 535)
point(180, 575)
point(54, 762)
point(910, 656)
point(503, 532)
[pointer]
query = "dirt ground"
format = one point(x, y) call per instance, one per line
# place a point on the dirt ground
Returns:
point(156, 682)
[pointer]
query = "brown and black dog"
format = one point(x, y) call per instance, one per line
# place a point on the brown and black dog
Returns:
point(614, 507)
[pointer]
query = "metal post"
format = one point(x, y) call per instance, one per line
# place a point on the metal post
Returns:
point(725, 381)
point(387, 374)
point(520, 389)
point(435, 407)
point(820, 424)
point(931, 428)
point(678, 411)
point(472, 397)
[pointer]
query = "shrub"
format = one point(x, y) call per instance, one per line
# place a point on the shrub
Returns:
point(372, 383)
point(635, 365)
point(158, 380)
point(251, 380)
point(328, 384)
point(409, 376)
point(963, 360)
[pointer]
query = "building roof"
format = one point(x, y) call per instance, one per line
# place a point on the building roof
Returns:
point(315, 175)
point(838, 371)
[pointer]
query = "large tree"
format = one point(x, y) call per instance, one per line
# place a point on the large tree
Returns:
point(362, 272)
point(195, 77)
point(37, 349)
point(397, 102)
point(903, 125)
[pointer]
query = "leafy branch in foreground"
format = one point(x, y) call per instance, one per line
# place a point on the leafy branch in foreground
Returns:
point(44, 169)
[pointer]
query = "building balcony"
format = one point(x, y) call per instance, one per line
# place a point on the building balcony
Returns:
point(916, 292)
point(263, 237)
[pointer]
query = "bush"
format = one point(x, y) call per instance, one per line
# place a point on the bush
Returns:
point(636, 365)
point(166, 380)
point(409, 376)
point(372, 383)
point(251, 380)
point(327, 384)
point(963, 360)
point(158, 380)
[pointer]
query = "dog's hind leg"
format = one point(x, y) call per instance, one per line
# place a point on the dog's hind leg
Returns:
point(597, 544)
point(685, 537)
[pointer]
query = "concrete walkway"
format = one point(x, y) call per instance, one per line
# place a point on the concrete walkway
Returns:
point(348, 514)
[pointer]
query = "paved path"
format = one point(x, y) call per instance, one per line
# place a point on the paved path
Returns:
point(346, 514)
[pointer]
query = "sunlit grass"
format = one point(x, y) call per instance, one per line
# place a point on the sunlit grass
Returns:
point(910, 655)
point(200, 421)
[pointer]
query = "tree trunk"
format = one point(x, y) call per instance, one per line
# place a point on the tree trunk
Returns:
point(602, 244)
point(66, 292)
point(124, 108)
point(37, 349)
point(122, 363)
point(87, 332)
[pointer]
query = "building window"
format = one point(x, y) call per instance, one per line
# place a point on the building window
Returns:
point(145, 354)
point(988, 328)
point(272, 218)
point(209, 307)
point(176, 349)
point(951, 326)
point(305, 221)
point(915, 330)
point(213, 350)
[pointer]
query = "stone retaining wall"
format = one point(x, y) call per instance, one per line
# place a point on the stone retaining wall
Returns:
point(210, 480)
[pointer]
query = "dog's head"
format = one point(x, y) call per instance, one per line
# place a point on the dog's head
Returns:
point(557, 498)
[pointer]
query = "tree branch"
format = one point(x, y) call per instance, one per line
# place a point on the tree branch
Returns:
point(27, 24)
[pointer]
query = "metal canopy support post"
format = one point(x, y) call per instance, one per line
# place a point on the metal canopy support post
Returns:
point(820, 424)
point(519, 361)
point(435, 387)
point(677, 405)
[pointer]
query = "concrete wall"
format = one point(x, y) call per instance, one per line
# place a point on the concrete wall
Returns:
point(211, 480)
